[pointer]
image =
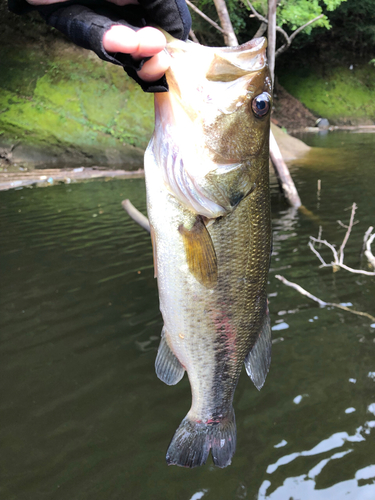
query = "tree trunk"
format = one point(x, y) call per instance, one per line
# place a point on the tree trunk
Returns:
point(230, 38)
point(271, 37)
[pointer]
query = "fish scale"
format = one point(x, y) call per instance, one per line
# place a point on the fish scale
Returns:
point(211, 235)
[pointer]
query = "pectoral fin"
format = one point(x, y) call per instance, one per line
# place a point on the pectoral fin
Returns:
point(200, 253)
point(257, 362)
point(168, 369)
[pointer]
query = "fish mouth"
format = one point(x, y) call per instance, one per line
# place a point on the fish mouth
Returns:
point(217, 64)
point(230, 63)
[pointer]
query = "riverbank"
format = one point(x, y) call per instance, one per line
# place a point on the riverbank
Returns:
point(344, 94)
point(53, 176)
point(62, 107)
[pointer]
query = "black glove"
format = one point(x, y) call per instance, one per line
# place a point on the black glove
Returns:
point(87, 22)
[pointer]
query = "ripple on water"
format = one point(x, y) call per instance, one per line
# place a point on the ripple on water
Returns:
point(83, 414)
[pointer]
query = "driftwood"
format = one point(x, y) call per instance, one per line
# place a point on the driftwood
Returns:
point(338, 262)
point(285, 179)
point(367, 241)
point(338, 255)
point(142, 220)
point(321, 302)
point(53, 176)
point(136, 215)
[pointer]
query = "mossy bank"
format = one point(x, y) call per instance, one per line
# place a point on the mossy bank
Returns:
point(344, 93)
point(61, 104)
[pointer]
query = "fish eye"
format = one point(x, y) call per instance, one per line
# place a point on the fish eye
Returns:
point(261, 105)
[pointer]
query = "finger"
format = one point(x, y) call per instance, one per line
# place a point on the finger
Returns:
point(120, 39)
point(150, 42)
point(155, 68)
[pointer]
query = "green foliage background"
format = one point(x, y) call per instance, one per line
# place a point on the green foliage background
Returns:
point(351, 22)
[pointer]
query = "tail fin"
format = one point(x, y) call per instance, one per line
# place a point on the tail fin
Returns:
point(193, 440)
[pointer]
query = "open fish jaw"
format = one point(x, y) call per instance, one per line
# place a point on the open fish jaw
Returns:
point(208, 204)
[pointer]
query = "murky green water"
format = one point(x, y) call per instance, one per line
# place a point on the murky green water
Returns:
point(82, 413)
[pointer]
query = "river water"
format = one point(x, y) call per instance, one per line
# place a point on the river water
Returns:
point(83, 415)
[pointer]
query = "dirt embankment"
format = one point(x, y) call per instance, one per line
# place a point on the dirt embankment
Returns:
point(289, 112)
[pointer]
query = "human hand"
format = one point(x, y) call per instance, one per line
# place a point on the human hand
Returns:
point(147, 42)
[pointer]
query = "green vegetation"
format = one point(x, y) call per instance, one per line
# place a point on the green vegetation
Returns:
point(71, 100)
point(57, 98)
point(337, 93)
point(294, 13)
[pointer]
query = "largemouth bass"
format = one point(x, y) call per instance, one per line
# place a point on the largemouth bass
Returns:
point(209, 210)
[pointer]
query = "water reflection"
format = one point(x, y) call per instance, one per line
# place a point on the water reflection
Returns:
point(198, 495)
point(304, 486)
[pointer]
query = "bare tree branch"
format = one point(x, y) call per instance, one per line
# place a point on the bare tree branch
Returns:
point(261, 30)
point(193, 37)
point(289, 39)
point(136, 215)
point(321, 302)
point(229, 35)
point(298, 30)
point(271, 36)
point(346, 237)
point(312, 248)
point(301, 290)
point(329, 245)
point(338, 257)
point(226, 29)
point(256, 14)
point(368, 239)
point(206, 18)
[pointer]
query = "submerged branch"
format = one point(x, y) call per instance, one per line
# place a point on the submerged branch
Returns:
point(368, 239)
point(347, 234)
point(338, 257)
point(321, 302)
point(136, 215)
point(286, 182)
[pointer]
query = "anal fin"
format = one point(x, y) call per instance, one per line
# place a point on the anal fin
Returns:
point(257, 362)
point(200, 253)
point(168, 369)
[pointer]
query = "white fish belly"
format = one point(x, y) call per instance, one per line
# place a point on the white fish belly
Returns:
point(183, 300)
